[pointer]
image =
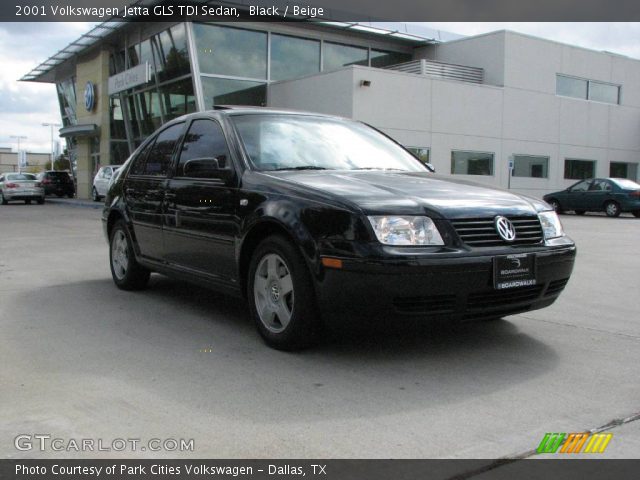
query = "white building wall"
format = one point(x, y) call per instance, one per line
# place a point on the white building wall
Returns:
point(525, 116)
point(330, 92)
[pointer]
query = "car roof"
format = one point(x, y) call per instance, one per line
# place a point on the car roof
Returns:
point(230, 110)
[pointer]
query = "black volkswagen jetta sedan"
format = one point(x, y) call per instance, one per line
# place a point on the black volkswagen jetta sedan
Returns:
point(306, 214)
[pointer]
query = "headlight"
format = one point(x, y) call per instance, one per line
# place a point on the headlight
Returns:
point(551, 225)
point(396, 230)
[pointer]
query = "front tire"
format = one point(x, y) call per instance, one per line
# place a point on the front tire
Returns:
point(579, 212)
point(555, 204)
point(281, 296)
point(41, 201)
point(127, 273)
point(3, 200)
point(612, 209)
point(636, 213)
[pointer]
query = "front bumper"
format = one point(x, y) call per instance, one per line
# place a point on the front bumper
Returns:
point(459, 288)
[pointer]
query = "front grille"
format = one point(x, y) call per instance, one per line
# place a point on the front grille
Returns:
point(434, 304)
point(503, 298)
point(481, 232)
point(555, 287)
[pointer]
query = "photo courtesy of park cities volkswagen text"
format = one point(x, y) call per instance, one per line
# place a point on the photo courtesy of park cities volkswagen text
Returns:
point(333, 239)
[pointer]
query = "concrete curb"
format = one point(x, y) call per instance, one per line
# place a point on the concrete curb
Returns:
point(75, 202)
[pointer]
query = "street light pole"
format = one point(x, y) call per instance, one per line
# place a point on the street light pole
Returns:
point(52, 149)
point(18, 137)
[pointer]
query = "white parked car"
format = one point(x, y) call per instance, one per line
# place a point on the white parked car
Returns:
point(20, 186)
point(101, 181)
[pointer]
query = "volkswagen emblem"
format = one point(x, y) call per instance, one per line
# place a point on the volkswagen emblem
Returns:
point(89, 96)
point(505, 229)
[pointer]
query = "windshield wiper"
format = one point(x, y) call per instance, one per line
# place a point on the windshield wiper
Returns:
point(305, 167)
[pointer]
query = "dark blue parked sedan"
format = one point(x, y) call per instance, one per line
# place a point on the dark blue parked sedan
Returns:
point(610, 195)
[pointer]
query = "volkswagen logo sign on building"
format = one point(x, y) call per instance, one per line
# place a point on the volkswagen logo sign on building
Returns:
point(505, 229)
point(89, 97)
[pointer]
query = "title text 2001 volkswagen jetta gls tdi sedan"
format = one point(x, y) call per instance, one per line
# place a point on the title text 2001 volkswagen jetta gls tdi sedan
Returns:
point(305, 214)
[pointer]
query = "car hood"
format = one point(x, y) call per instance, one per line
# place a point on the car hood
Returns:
point(413, 193)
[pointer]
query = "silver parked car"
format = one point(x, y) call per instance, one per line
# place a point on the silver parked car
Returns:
point(20, 186)
point(101, 181)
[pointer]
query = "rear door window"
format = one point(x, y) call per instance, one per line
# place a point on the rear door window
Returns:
point(159, 159)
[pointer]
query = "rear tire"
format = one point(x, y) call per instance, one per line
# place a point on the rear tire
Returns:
point(612, 209)
point(3, 200)
point(41, 201)
point(94, 195)
point(281, 296)
point(636, 213)
point(579, 212)
point(127, 273)
point(27, 202)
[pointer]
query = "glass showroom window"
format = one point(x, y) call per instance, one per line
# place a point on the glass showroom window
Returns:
point(421, 152)
point(530, 166)
point(337, 56)
point(170, 53)
point(177, 98)
point(293, 57)
point(471, 163)
point(232, 52)
point(225, 91)
point(579, 169)
point(67, 101)
point(623, 170)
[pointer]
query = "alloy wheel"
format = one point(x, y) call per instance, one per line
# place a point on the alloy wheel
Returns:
point(273, 293)
point(119, 254)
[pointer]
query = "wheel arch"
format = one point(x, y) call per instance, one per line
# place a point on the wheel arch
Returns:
point(262, 229)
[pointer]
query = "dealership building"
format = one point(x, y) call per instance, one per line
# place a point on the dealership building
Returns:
point(503, 108)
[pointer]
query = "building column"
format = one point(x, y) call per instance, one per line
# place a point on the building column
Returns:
point(84, 168)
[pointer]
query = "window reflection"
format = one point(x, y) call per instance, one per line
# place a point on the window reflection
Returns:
point(231, 51)
point(381, 59)
point(224, 91)
point(293, 57)
point(338, 56)
point(178, 98)
point(170, 53)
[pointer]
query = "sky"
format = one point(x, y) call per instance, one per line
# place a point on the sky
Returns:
point(24, 106)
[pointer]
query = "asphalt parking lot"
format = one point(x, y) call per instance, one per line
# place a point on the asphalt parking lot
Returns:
point(81, 359)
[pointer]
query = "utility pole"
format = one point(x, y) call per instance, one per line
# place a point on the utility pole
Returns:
point(52, 148)
point(18, 137)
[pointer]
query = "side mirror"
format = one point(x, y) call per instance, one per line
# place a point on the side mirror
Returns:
point(430, 167)
point(213, 167)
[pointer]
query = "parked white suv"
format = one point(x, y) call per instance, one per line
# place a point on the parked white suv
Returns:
point(101, 181)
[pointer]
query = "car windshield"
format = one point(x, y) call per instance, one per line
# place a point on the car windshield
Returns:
point(20, 176)
point(627, 184)
point(297, 142)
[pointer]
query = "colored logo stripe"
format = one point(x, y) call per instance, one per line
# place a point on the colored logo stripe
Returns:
point(573, 442)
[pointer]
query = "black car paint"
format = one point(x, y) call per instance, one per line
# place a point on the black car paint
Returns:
point(324, 214)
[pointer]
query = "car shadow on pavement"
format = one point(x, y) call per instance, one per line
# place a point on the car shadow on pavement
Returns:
point(180, 344)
